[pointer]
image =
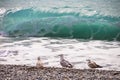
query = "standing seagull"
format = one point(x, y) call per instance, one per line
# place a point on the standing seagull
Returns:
point(65, 63)
point(92, 64)
point(39, 64)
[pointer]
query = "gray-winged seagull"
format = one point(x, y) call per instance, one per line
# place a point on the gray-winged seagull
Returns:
point(65, 63)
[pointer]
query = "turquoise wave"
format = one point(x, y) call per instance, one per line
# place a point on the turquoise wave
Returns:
point(37, 23)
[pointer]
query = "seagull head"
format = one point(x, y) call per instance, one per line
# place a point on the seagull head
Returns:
point(38, 58)
point(88, 60)
point(61, 55)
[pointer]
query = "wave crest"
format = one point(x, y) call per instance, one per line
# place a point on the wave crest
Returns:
point(30, 22)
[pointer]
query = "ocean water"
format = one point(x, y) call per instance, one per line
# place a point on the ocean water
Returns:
point(79, 29)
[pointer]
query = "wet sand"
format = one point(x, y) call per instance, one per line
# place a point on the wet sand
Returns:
point(22, 72)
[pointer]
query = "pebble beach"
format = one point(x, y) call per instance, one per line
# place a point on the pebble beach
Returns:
point(23, 72)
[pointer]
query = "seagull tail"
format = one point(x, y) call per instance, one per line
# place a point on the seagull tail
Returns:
point(99, 66)
point(70, 66)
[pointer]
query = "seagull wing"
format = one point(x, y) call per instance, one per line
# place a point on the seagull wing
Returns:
point(97, 66)
point(91, 65)
point(65, 63)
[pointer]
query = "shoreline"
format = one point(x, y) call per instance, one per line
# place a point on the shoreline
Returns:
point(23, 72)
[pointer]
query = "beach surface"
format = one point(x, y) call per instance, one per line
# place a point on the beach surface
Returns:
point(23, 72)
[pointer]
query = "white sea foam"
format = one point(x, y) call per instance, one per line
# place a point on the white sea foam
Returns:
point(76, 51)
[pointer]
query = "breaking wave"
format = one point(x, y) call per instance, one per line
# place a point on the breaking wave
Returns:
point(38, 23)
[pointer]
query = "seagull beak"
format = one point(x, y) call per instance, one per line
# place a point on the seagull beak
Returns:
point(87, 60)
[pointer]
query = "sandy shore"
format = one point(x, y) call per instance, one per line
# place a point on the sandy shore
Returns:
point(19, 72)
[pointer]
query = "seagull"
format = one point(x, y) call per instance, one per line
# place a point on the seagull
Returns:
point(65, 63)
point(92, 64)
point(39, 64)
